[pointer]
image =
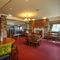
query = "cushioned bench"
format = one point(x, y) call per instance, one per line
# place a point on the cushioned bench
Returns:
point(4, 57)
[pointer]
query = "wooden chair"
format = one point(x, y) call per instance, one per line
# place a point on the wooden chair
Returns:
point(11, 35)
point(14, 53)
point(48, 35)
point(34, 39)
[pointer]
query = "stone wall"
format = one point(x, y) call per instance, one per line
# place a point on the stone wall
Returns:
point(3, 24)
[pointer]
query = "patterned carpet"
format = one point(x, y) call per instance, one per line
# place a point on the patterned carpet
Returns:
point(47, 50)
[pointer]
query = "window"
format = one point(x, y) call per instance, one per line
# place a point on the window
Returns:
point(20, 28)
point(56, 27)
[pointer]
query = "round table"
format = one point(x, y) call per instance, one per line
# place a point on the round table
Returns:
point(6, 45)
point(7, 41)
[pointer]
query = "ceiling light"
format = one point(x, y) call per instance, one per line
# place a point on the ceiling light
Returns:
point(10, 15)
point(29, 14)
point(44, 18)
point(24, 14)
point(27, 19)
point(10, 8)
point(33, 19)
point(26, 0)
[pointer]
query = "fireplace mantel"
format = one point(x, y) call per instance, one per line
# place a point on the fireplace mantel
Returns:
point(37, 30)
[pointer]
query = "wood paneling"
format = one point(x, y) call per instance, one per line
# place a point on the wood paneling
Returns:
point(42, 23)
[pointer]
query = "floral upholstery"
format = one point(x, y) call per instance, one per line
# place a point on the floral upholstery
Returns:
point(5, 49)
point(33, 38)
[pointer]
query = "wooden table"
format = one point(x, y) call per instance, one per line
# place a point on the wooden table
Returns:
point(5, 46)
point(7, 41)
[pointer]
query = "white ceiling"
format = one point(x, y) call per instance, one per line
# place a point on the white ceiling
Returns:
point(3, 3)
point(47, 8)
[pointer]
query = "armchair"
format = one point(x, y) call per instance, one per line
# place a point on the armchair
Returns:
point(33, 39)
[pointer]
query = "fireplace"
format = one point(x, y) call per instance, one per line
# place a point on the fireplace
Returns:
point(39, 30)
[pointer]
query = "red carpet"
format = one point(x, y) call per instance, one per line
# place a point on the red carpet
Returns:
point(47, 50)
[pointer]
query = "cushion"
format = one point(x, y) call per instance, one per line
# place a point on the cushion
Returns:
point(5, 49)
